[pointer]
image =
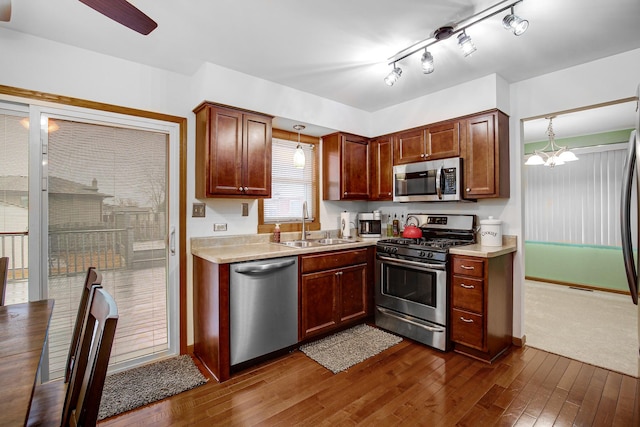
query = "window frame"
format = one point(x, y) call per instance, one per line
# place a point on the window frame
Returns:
point(315, 164)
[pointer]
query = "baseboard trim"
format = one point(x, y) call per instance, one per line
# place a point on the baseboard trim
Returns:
point(519, 342)
point(577, 285)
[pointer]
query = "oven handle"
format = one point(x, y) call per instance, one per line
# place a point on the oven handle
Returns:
point(421, 265)
point(409, 320)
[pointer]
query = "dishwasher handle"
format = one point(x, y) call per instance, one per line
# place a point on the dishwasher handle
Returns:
point(263, 268)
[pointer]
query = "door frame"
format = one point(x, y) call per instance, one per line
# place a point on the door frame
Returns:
point(26, 96)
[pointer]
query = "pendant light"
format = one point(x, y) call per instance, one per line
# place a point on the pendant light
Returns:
point(552, 154)
point(298, 156)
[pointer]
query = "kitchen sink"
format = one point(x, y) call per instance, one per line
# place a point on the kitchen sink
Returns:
point(314, 242)
point(298, 243)
point(332, 241)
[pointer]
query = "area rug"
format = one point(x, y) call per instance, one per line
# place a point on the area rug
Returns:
point(140, 386)
point(342, 350)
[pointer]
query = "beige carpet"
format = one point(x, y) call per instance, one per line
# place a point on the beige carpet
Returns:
point(342, 350)
point(599, 328)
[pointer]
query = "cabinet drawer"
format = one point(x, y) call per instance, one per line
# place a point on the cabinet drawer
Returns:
point(468, 293)
point(327, 261)
point(467, 329)
point(468, 266)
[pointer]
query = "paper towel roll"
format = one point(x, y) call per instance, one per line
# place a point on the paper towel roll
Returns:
point(345, 224)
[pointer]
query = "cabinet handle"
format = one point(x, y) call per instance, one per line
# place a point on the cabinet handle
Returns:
point(345, 193)
point(239, 188)
point(427, 154)
point(246, 188)
point(467, 268)
point(467, 286)
point(468, 189)
point(466, 320)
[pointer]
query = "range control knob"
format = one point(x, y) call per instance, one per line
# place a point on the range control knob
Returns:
point(429, 254)
point(422, 254)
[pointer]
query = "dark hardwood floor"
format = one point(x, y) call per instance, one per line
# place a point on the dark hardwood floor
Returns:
point(408, 384)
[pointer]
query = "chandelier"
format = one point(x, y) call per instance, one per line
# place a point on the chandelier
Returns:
point(552, 154)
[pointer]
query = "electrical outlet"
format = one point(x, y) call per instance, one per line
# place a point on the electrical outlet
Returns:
point(219, 227)
point(198, 210)
point(245, 209)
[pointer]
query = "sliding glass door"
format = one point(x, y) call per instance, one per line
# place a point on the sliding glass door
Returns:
point(100, 194)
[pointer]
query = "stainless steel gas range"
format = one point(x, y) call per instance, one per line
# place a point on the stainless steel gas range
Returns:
point(412, 280)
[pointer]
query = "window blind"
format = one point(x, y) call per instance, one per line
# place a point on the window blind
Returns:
point(578, 202)
point(290, 187)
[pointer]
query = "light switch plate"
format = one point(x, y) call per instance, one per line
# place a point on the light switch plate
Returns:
point(219, 227)
point(245, 209)
point(198, 210)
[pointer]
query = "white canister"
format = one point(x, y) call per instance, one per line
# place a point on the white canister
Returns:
point(491, 232)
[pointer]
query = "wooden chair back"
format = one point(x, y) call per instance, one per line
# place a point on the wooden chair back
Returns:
point(84, 391)
point(92, 281)
point(4, 272)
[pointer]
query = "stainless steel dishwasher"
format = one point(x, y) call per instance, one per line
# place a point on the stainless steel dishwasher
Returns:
point(263, 307)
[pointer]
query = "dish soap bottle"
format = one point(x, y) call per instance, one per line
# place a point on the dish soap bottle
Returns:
point(396, 226)
point(276, 233)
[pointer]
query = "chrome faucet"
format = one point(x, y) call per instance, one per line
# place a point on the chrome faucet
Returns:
point(305, 214)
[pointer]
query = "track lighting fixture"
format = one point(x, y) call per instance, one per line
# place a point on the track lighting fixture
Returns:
point(511, 22)
point(427, 62)
point(514, 23)
point(298, 157)
point(465, 43)
point(393, 76)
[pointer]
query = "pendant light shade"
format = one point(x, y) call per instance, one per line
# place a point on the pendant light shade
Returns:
point(551, 155)
point(298, 157)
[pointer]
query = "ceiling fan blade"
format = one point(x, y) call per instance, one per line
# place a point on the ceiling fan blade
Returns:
point(125, 13)
point(5, 10)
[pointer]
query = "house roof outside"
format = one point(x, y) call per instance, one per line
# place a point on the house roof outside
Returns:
point(20, 184)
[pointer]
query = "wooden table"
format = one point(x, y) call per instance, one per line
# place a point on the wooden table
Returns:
point(23, 333)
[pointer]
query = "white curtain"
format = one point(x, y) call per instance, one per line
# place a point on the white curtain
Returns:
point(578, 202)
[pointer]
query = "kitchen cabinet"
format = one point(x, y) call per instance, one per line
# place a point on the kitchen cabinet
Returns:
point(485, 154)
point(437, 141)
point(381, 163)
point(482, 305)
point(233, 152)
point(345, 167)
point(334, 291)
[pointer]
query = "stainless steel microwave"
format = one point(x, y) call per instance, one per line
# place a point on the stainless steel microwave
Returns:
point(430, 181)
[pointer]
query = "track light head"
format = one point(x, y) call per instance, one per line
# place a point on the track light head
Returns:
point(393, 76)
point(515, 23)
point(427, 62)
point(465, 43)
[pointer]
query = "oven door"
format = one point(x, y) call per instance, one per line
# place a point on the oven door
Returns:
point(413, 288)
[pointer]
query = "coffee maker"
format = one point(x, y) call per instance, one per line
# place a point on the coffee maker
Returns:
point(370, 224)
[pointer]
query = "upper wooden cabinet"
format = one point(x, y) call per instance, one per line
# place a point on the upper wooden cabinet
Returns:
point(345, 167)
point(233, 152)
point(432, 142)
point(381, 164)
point(485, 153)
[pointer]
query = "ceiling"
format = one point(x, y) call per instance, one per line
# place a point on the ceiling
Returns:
point(339, 50)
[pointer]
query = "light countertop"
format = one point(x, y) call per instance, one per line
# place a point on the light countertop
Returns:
point(224, 250)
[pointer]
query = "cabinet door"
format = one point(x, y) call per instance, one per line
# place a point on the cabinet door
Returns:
point(409, 146)
point(318, 303)
point(486, 156)
point(381, 151)
point(225, 152)
point(256, 159)
point(353, 292)
point(355, 168)
point(443, 141)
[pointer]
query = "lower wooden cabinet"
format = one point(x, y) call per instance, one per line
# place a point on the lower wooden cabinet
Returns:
point(333, 291)
point(482, 305)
